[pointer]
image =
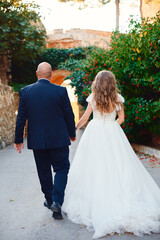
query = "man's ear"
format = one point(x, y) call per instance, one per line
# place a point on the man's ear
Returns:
point(37, 73)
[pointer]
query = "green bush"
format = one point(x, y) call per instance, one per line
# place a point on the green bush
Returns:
point(25, 71)
point(134, 58)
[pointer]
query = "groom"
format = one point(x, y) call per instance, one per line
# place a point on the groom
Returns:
point(51, 126)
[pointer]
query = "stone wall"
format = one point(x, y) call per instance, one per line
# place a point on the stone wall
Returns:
point(9, 102)
point(58, 76)
point(150, 9)
point(77, 37)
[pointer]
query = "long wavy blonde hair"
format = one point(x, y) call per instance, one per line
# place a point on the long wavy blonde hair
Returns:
point(105, 92)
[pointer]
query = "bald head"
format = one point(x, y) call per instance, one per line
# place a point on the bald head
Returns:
point(44, 70)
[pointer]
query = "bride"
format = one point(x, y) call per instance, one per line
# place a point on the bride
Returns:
point(108, 188)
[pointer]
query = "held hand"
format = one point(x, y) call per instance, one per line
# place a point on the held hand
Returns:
point(18, 147)
point(72, 139)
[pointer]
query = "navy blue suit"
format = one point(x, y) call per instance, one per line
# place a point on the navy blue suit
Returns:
point(47, 108)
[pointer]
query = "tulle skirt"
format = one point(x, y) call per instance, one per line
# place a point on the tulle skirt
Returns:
point(108, 189)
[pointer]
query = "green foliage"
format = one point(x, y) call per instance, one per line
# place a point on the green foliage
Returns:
point(134, 58)
point(17, 86)
point(21, 32)
point(25, 71)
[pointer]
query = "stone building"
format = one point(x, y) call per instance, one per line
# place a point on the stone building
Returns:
point(149, 8)
point(77, 37)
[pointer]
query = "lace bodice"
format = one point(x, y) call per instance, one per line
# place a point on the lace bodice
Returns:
point(105, 116)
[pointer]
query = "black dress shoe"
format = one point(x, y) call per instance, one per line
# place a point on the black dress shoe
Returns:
point(47, 205)
point(56, 208)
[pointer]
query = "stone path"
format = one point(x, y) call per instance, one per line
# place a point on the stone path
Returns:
point(22, 215)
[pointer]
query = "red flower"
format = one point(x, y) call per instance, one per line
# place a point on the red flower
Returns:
point(116, 60)
point(124, 126)
point(137, 86)
point(154, 117)
point(137, 112)
point(140, 106)
point(147, 67)
point(152, 80)
point(104, 64)
point(71, 78)
point(150, 28)
point(129, 75)
point(125, 116)
point(151, 44)
point(128, 103)
point(78, 69)
point(136, 79)
point(87, 66)
point(123, 83)
point(136, 117)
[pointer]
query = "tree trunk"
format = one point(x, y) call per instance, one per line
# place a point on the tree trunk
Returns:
point(4, 69)
point(117, 14)
point(141, 12)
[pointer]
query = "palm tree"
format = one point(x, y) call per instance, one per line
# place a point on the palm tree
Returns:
point(117, 14)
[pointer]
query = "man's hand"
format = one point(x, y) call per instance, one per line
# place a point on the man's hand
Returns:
point(18, 147)
point(72, 139)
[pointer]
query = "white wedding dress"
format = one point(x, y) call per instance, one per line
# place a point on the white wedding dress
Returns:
point(108, 188)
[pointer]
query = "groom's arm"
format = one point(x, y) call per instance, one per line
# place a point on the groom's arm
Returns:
point(20, 123)
point(69, 116)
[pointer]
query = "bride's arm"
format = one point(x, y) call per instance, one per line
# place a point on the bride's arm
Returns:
point(85, 116)
point(121, 117)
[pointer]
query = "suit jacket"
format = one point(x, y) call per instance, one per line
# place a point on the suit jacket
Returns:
point(47, 108)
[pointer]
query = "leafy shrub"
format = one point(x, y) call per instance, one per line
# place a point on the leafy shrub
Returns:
point(25, 71)
point(134, 58)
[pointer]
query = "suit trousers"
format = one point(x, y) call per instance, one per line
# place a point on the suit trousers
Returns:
point(57, 158)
